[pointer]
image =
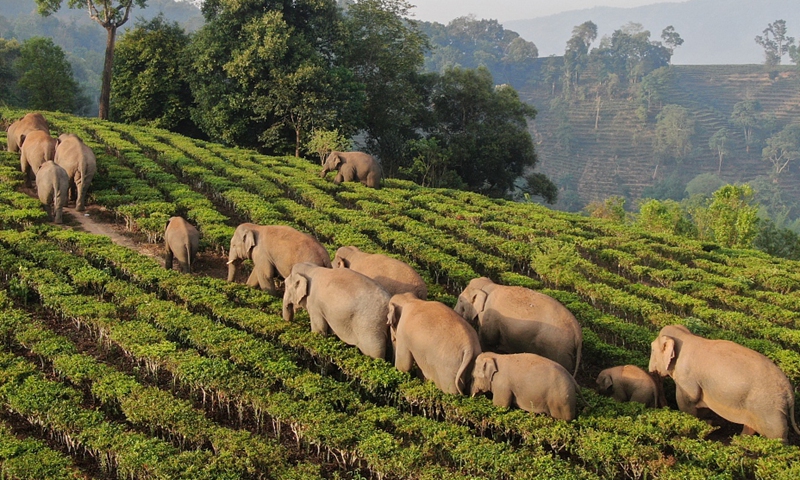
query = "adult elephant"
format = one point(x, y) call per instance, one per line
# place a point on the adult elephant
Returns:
point(52, 186)
point(181, 242)
point(528, 381)
point(353, 167)
point(735, 382)
point(36, 148)
point(392, 274)
point(432, 336)
point(519, 320)
point(274, 250)
point(18, 130)
point(341, 301)
point(80, 163)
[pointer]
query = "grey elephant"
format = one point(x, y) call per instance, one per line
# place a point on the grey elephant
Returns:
point(528, 381)
point(18, 130)
point(432, 336)
point(36, 148)
point(735, 382)
point(341, 301)
point(393, 275)
point(520, 320)
point(181, 242)
point(274, 250)
point(80, 163)
point(353, 167)
point(52, 185)
point(629, 383)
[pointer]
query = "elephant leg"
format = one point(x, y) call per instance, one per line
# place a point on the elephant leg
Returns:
point(339, 178)
point(748, 430)
point(686, 403)
point(80, 196)
point(319, 324)
point(403, 360)
point(168, 259)
point(184, 266)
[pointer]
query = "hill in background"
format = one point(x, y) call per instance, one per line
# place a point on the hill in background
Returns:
point(715, 31)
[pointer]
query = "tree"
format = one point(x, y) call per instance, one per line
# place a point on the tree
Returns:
point(775, 42)
point(783, 148)
point(630, 54)
point(45, 77)
point(385, 52)
point(734, 219)
point(431, 165)
point(652, 89)
point(110, 15)
point(576, 55)
point(9, 51)
point(718, 143)
point(323, 142)
point(665, 217)
point(149, 84)
point(671, 39)
point(674, 131)
point(747, 115)
point(484, 127)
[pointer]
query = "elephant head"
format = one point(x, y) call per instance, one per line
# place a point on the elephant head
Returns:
point(242, 243)
point(331, 163)
point(604, 382)
point(472, 300)
point(342, 258)
point(662, 355)
point(483, 373)
point(296, 294)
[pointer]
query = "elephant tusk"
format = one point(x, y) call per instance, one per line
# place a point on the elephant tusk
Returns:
point(230, 261)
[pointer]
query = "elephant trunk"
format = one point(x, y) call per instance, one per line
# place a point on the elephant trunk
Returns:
point(324, 171)
point(232, 269)
point(288, 311)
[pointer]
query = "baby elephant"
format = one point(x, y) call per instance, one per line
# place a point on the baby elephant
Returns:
point(531, 382)
point(353, 167)
point(52, 185)
point(181, 241)
point(629, 383)
point(345, 302)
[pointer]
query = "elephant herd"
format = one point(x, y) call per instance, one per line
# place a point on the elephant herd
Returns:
point(62, 167)
point(522, 346)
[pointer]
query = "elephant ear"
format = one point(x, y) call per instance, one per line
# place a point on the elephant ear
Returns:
point(21, 140)
point(299, 285)
point(489, 369)
point(667, 352)
point(605, 382)
point(249, 240)
point(342, 262)
point(479, 301)
point(337, 160)
point(393, 318)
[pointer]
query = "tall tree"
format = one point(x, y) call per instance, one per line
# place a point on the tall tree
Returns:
point(718, 143)
point(671, 39)
point(733, 217)
point(674, 131)
point(385, 51)
point(45, 77)
point(775, 42)
point(149, 85)
point(9, 51)
point(630, 53)
point(747, 115)
point(576, 55)
point(110, 15)
point(783, 148)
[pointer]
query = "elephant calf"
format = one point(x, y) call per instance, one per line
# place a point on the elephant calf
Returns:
point(629, 383)
point(433, 336)
point(392, 274)
point(531, 382)
point(345, 302)
point(181, 242)
point(735, 382)
point(353, 167)
point(52, 185)
point(36, 148)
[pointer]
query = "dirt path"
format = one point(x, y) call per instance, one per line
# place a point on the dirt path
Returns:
point(89, 221)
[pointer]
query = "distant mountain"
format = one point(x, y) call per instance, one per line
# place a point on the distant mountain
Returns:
point(714, 31)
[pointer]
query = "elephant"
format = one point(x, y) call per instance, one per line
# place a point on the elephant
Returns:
point(441, 343)
point(35, 148)
point(519, 320)
point(629, 383)
point(274, 250)
point(80, 163)
point(342, 301)
point(533, 383)
point(52, 185)
point(181, 241)
point(353, 166)
point(18, 130)
point(735, 382)
point(393, 275)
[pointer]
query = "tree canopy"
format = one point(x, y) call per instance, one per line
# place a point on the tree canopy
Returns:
point(44, 77)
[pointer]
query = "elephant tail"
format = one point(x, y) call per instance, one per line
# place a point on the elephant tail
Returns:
point(189, 256)
point(791, 415)
point(467, 358)
point(578, 358)
point(578, 391)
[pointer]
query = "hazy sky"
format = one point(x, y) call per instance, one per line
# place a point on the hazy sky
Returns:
point(443, 11)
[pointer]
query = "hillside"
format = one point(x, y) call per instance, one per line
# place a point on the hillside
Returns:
point(119, 361)
point(617, 157)
point(715, 31)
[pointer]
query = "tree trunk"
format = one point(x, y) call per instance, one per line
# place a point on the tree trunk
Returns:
point(108, 66)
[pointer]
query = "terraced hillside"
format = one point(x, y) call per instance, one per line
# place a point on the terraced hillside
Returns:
point(617, 159)
point(113, 367)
